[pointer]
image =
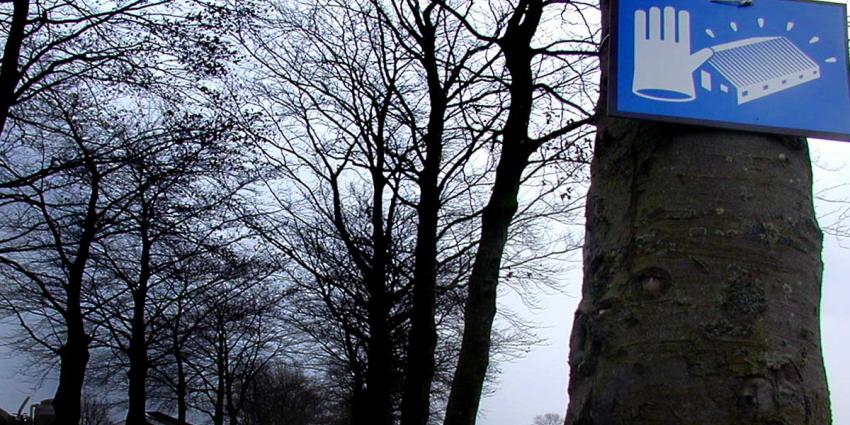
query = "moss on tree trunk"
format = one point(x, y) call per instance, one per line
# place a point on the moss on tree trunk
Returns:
point(702, 282)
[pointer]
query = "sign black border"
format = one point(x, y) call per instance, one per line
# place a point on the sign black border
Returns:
point(613, 105)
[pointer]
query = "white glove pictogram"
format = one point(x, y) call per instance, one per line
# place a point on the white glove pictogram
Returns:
point(664, 65)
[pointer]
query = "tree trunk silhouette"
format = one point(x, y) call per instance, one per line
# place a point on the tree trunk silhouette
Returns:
point(379, 372)
point(138, 348)
point(420, 367)
point(221, 372)
point(9, 69)
point(73, 359)
point(517, 147)
point(182, 386)
point(74, 353)
point(702, 270)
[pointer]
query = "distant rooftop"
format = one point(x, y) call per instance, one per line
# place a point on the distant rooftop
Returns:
point(159, 418)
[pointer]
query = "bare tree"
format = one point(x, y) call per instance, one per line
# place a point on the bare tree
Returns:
point(342, 164)
point(408, 127)
point(187, 299)
point(48, 240)
point(176, 196)
point(59, 58)
point(516, 28)
point(443, 145)
point(52, 42)
point(56, 252)
point(95, 412)
point(548, 419)
point(404, 143)
point(282, 394)
point(242, 336)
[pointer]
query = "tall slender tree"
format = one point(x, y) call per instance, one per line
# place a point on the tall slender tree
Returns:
point(177, 193)
point(515, 37)
point(426, 109)
point(60, 55)
point(341, 204)
point(243, 334)
point(451, 62)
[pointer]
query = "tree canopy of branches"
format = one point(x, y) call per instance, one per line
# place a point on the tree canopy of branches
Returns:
point(381, 114)
point(72, 74)
point(197, 189)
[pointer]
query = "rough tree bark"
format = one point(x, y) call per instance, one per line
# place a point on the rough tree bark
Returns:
point(702, 272)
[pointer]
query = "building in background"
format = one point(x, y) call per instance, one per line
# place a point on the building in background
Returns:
point(43, 413)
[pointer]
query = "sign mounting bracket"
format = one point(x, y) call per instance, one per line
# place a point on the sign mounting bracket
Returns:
point(739, 3)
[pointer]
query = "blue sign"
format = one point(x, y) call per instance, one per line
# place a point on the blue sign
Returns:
point(777, 66)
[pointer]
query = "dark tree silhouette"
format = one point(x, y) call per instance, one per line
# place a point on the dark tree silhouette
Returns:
point(281, 394)
point(178, 194)
point(58, 217)
point(526, 87)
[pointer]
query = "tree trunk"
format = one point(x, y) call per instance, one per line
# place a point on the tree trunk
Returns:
point(222, 352)
point(420, 367)
point(139, 366)
point(138, 347)
point(73, 359)
point(379, 352)
point(182, 386)
point(357, 404)
point(232, 408)
point(422, 344)
point(474, 358)
point(379, 372)
point(218, 413)
point(74, 354)
point(10, 75)
point(379, 368)
point(480, 309)
point(701, 291)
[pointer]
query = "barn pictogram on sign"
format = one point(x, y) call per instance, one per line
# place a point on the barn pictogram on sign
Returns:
point(777, 66)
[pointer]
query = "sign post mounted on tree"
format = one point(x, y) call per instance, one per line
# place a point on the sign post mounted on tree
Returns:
point(777, 66)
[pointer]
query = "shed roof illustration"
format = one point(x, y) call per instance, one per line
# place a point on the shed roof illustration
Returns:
point(761, 66)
